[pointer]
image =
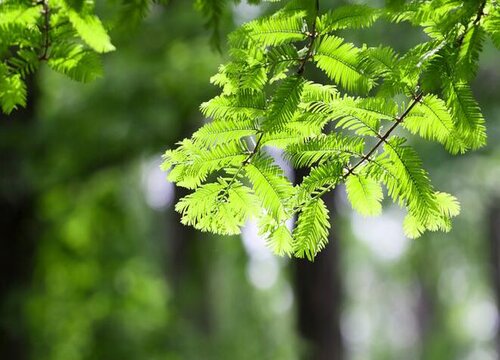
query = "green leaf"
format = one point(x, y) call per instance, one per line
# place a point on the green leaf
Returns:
point(276, 30)
point(17, 14)
point(284, 103)
point(75, 62)
point(431, 120)
point(491, 25)
point(218, 207)
point(364, 194)
point(359, 115)
point(270, 185)
point(339, 60)
point(467, 114)
point(468, 55)
point(217, 132)
point(242, 105)
point(320, 178)
point(324, 148)
point(281, 241)
point(12, 92)
point(349, 17)
point(448, 207)
point(311, 233)
point(318, 92)
point(407, 181)
point(191, 164)
point(91, 30)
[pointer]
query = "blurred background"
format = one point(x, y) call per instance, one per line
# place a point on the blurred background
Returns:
point(95, 265)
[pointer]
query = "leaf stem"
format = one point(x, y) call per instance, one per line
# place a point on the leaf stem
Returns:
point(480, 13)
point(382, 139)
point(45, 30)
point(312, 38)
point(246, 161)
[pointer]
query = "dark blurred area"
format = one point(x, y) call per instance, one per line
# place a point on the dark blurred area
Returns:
point(94, 263)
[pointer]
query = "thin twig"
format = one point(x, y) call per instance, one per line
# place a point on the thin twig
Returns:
point(382, 139)
point(246, 161)
point(300, 71)
point(45, 30)
point(480, 13)
point(312, 37)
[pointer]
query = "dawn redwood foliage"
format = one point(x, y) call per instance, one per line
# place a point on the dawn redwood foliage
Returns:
point(346, 130)
point(341, 131)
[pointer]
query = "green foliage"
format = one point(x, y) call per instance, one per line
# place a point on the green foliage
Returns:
point(365, 194)
point(62, 33)
point(217, 208)
point(270, 185)
point(349, 17)
point(12, 90)
point(267, 100)
point(432, 120)
point(343, 130)
point(311, 232)
point(276, 30)
point(339, 60)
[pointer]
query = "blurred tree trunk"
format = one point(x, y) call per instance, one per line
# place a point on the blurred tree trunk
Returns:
point(189, 271)
point(318, 291)
point(494, 236)
point(17, 226)
point(188, 268)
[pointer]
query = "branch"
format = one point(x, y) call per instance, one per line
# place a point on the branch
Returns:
point(45, 30)
point(313, 35)
point(300, 70)
point(382, 139)
point(246, 161)
point(479, 15)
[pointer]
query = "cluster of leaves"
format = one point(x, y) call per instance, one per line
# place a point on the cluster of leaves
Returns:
point(67, 35)
point(342, 131)
point(70, 37)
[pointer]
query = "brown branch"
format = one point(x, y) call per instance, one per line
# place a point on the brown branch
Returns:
point(312, 37)
point(480, 13)
point(44, 56)
point(254, 151)
point(300, 70)
point(246, 161)
point(382, 139)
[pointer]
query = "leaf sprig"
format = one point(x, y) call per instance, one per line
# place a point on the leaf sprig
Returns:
point(343, 131)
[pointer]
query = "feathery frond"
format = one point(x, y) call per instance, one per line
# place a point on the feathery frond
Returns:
point(311, 233)
point(320, 178)
point(339, 60)
point(271, 186)
point(466, 113)
point(491, 25)
point(218, 207)
point(324, 148)
point(407, 182)
point(91, 30)
point(284, 103)
point(364, 194)
point(431, 120)
point(242, 105)
point(349, 17)
point(276, 30)
point(217, 132)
